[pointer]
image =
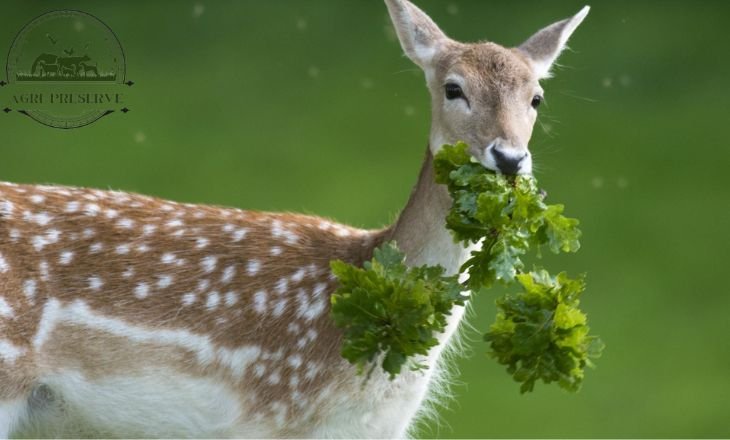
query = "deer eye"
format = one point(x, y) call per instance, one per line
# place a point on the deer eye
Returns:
point(453, 91)
point(536, 101)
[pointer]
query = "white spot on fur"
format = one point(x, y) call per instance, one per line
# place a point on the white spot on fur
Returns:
point(228, 274)
point(92, 209)
point(29, 289)
point(72, 207)
point(201, 242)
point(95, 283)
point(43, 269)
point(298, 275)
point(279, 308)
point(9, 353)
point(126, 223)
point(142, 290)
point(274, 378)
point(189, 298)
point(239, 234)
point(4, 266)
point(282, 286)
point(149, 229)
point(122, 249)
point(214, 299)
point(111, 213)
point(6, 311)
point(65, 257)
point(259, 302)
point(295, 361)
point(6, 208)
point(174, 223)
point(253, 267)
point(37, 199)
point(165, 281)
point(96, 248)
point(208, 263)
point(231, 299)
point(276, 251)
point(259, 370)
point(167, 258)
point(129, 273)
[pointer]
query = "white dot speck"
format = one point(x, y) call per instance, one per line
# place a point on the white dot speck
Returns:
point(214, 298)
point(29, 288)
point(37, 198)
point(201, 242)
point(189, 298)
point(259, 302)
point(167, 258)
point(253, 267)
point(228, 274)
point(95, 283)
point(298, 275)
point(231, 298)
point(142, 290)
point(165, 281)
point(208, 263)
point(125, 223)
point(66, 257)
point(239, 234)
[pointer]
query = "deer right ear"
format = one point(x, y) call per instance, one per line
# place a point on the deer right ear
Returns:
point(419, 36)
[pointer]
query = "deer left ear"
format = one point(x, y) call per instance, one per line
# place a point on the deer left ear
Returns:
point(545, 46)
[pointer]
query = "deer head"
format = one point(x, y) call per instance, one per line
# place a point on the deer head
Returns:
point(482, 93)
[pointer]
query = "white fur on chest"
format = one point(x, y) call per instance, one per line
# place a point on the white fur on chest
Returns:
point(387, 409)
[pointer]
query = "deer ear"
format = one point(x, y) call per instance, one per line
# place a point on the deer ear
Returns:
point(544, 47)
point(419, 36)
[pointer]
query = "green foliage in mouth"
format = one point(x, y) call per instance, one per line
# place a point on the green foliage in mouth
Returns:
point(391, 313)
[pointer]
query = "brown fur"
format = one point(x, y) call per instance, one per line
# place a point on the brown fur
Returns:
point(318, 241)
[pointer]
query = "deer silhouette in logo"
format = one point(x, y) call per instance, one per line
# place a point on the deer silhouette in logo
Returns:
point(67, 66)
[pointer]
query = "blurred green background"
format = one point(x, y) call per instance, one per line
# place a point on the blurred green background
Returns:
point(308, 106)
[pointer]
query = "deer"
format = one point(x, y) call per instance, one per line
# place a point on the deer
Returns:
point(124, 315)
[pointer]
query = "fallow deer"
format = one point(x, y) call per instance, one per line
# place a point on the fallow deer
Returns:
point(126, 315)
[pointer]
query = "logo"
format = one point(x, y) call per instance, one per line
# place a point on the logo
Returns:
point(66, 69)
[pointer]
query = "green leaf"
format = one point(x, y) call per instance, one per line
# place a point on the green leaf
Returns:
point(388, 309)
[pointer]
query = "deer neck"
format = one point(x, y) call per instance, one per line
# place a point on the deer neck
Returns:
point(420, 230)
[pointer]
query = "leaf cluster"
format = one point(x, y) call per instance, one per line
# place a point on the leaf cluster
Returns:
point(541, 334)
point(390, 312)
point(389, 309)
point(507, 214)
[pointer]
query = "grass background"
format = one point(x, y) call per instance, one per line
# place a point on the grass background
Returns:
point(299, 105)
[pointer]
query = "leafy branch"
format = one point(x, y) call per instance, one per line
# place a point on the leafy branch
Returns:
point(388, 309)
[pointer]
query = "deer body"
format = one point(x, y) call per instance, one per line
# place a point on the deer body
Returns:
point(124, 315)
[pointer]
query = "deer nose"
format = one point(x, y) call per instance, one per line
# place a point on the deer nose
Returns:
point(508, 163)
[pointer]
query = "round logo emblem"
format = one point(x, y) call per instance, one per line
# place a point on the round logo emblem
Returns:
point(66, 68)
